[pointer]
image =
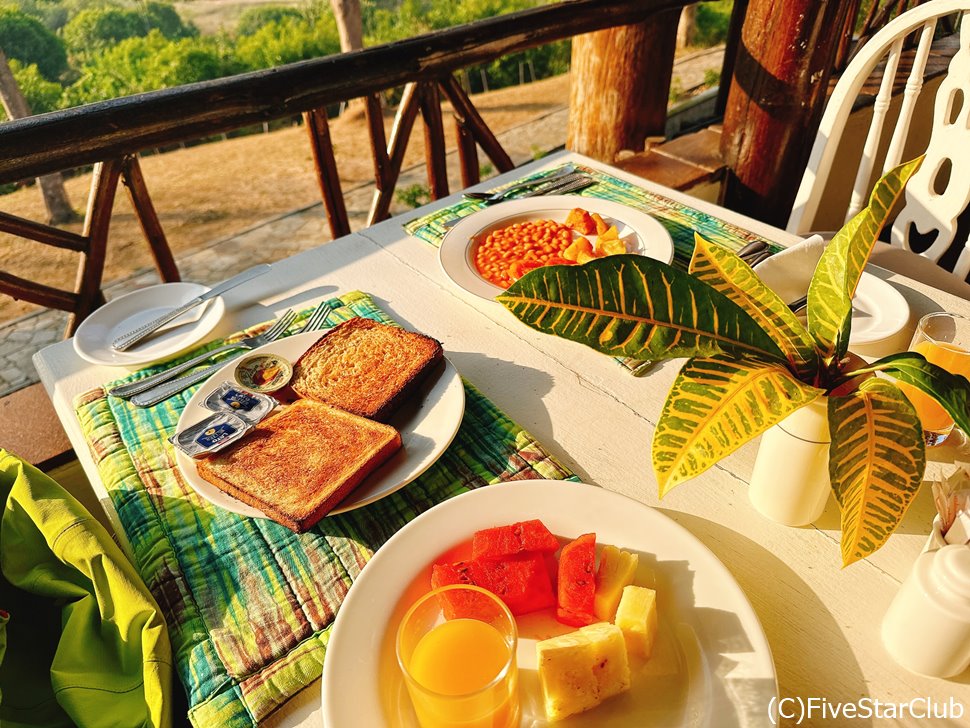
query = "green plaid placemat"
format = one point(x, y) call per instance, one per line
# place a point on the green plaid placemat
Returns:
point(680, 221)
point(249, 604)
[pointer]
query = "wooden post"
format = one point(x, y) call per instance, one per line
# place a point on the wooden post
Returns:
point(620, 81)
point(776, 99)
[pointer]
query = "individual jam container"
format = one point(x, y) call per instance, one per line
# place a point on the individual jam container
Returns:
point(211, 434)
point(250, 406)
point(263, 372)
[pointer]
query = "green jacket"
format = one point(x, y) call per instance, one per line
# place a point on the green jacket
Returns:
point(85, 642)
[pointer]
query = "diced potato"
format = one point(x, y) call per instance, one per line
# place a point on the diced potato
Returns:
point(580, 220)
point(636, 616)
point(579, 670)
point(578, 247)
point(611, 233)
point(601, 226)
point(616, 571)
point(586, 257)
point(610, 246)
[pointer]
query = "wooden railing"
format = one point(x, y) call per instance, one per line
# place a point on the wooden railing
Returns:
point(110, 134)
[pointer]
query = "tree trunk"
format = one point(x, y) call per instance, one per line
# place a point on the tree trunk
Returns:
point(620, 81)
point(776, 99)
point(687, 27)
point(59, 208)
point(349, 24)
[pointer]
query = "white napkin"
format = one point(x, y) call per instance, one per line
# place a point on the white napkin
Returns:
point(952, 498)
point(789, 272)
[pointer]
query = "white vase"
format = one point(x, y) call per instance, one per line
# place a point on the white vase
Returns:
point(790, 483)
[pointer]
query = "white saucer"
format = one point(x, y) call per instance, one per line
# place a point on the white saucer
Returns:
point(93, 338)
point(880, 313)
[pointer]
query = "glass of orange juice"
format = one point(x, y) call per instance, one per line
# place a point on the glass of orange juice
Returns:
point(456, 647)
point(944, 339)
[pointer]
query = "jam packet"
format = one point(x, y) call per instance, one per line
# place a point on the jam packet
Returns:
point(250, 406)
point(211, 434)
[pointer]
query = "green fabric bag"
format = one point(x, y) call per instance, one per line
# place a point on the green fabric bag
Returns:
point(86, 643)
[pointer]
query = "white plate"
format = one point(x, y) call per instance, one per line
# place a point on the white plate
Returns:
point(641, 233)
point(428, 422)
point(711, 666)
point(880, 313)
point(92, 340)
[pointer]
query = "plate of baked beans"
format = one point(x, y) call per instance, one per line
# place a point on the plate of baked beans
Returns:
point(485, 252)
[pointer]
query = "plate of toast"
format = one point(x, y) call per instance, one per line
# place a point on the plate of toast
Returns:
point(369, 408)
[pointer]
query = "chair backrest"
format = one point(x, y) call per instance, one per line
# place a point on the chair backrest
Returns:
point(940, 190)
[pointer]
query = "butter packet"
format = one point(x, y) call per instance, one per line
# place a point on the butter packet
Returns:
point(250, 406)
point(211, 434)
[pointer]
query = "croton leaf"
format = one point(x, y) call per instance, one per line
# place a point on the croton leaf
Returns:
point(952, 391)
point(724, 271)
point(631, 305)
point(716, 405)
point(840, 267)
point(876, 463)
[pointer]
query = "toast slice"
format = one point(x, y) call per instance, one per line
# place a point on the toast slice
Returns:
point(299, 463)
point(365, 367)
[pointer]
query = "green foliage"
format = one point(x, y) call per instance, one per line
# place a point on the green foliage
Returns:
point(713, 19)
point(143, 64)
point(41, 95)
point(414, 195)
point(252, 19)
point(287, 41)
point(96, 28)
point(25, 39)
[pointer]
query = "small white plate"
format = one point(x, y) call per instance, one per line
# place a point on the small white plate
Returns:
point(711, 666)
point(428, 422)
point(92, 340)
point(880, 313)
point(641, 233)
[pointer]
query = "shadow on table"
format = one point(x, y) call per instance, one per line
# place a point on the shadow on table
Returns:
point(801, 631)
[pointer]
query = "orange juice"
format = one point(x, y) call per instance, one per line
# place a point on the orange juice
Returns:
point(463, 658)
point(934, 419)
point(458, 657)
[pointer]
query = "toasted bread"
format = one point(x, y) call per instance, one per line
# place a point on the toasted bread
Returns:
point(365, 367)
point(299, 463)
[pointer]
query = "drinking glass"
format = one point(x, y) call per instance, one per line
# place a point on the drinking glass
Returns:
point(456, 647)
point(944, 339)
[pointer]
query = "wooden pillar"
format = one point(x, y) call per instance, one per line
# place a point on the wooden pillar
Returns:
point(620, 81)
point(776, 100)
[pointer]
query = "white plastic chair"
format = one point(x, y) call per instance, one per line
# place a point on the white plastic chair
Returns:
point(940, 189)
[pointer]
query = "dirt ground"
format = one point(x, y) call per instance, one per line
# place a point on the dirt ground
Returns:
point(210, 191)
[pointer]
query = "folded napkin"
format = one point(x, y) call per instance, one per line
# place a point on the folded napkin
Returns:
point(681, 222)
point(789, 271)
point(249, 603)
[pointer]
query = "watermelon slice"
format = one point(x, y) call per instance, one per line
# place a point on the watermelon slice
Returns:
point(521, 581)
point(495, 543)
point(577, 581)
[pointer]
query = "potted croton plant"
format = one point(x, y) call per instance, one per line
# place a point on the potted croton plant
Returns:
point(751, 362)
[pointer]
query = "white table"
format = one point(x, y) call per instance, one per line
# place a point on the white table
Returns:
point(822, 622)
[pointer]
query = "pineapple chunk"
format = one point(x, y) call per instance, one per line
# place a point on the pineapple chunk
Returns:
point(579, 247)
point(581, 669)
point(637, 618)
point(617, 569)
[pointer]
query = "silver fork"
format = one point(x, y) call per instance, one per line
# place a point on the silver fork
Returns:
point(317, 319)
point(143, 385)
point(503, 194)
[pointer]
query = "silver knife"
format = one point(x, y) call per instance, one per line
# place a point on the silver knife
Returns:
point(128, 340)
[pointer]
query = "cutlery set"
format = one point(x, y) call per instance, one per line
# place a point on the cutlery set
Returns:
point(160, 386)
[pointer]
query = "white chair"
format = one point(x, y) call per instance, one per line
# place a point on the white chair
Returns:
point(940, 190)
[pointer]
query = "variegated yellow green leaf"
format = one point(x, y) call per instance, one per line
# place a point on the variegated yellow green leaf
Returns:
point(715, 406)
point(876, 463)
point(724, 271)
point(952, 391)
point(630, 305)
point(840, 267)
